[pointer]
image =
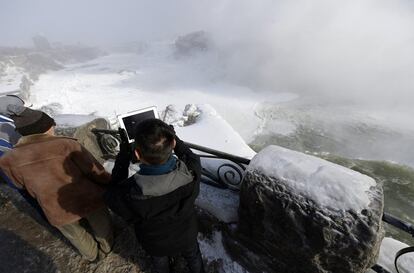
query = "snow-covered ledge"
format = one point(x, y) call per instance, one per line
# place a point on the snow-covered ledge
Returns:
point(389, 249)
point(327, 184)
point(304, 214)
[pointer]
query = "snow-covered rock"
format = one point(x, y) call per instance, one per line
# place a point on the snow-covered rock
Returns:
point(52, 109)
point(303, 214)
point(326, 183)
point(177, 118)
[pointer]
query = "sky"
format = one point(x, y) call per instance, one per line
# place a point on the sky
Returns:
point(356, 49)
point(97, 21)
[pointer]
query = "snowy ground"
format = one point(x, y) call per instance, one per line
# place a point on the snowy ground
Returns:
point(10, 78)
point(127, 82)
point(389, 249)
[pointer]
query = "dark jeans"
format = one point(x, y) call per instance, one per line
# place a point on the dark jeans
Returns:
point(192, 257)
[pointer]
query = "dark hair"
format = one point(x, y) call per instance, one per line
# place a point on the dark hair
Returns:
point(154, 140)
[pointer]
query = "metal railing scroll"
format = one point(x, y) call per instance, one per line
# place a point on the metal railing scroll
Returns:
point(229, 169)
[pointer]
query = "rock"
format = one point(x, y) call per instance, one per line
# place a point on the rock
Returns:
point(299, 213)
point(174, 117)
point(192, 112)
point(52, 109)
point(191, 43)
point(171, 116)
point(41, 43)
point(85, 137)
point(88, 139)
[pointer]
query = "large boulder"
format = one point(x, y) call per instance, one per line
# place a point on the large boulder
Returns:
point(191, 43)
point(88, 139)
point(80, 128)
point(299, 213)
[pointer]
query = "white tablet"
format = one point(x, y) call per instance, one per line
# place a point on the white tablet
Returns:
point(130, 120)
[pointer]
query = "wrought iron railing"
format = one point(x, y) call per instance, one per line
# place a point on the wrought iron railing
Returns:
point(229, 175)
point(228, 169)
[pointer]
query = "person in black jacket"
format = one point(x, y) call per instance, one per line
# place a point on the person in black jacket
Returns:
point(159, 198)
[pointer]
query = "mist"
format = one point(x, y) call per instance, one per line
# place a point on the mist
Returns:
point(358, 51)
point(355, 50)
point(98, 22)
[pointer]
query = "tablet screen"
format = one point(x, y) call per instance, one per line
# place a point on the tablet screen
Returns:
point(129, 121)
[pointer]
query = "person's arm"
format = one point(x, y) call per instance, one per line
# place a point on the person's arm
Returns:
point(120, 171)
point(183, 152)
point(87, 163)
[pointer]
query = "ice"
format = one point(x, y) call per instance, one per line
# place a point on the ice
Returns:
point(326, 183)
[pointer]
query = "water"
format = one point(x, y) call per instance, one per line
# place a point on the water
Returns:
point(345, 141)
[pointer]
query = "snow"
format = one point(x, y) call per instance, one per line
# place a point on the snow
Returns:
point(213, 250)
point(10, 79)
point(223, 204)
point(326, 183)
point(277, 127)
point(120, 83)
point(68, 120)
point(212, 131)
point(389, 248)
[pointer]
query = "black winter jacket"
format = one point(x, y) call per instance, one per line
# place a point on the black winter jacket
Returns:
point(165, 220)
